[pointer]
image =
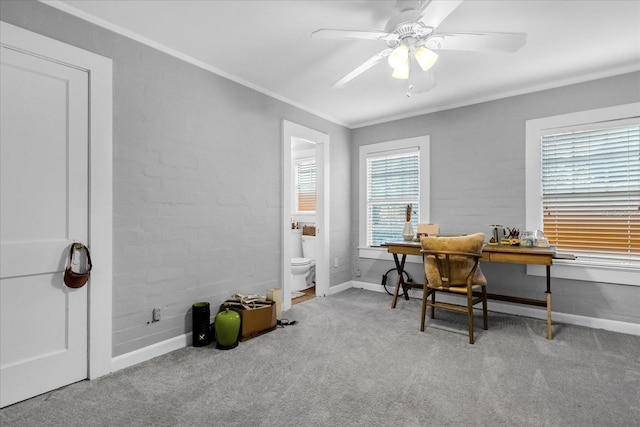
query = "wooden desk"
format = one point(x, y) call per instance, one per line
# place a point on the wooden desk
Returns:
point(490, 253)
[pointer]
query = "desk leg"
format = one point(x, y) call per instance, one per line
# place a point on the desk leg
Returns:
point(400, 281)
point(548, 302)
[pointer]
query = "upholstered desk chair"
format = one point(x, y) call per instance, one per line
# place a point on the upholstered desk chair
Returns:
point(452, 265)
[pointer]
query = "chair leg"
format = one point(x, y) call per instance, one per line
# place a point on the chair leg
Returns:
point(470, 312)
point(425, 296)
point(484, 307)
point(433, 304)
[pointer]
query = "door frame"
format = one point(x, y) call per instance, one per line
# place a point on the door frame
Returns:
point(290, 131)
point(99, 70)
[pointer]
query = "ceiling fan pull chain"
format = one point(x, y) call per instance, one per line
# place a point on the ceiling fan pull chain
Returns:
point(410, 80)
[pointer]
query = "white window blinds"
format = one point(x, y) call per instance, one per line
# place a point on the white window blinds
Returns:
point(306, 185)
point(393, 182)
point(591, 192)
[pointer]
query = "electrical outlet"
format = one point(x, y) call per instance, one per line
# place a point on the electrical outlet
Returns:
point(335, 262)
point(156, 314)
point(358, 273)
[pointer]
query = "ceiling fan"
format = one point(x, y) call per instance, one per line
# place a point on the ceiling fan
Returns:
point(411, 35)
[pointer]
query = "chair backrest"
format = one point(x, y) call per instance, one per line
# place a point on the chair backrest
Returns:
point(453, 261)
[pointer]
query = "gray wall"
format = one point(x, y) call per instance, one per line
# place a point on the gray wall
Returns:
point(197, 178)
point(197, 181)
point(478, 179)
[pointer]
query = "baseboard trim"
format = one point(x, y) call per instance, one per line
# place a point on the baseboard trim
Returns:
point(149, 352)
point(572, 319)
point(176, 343)
point(339, 288)
point(375, 287)
point(525, 311)
point(158, 349)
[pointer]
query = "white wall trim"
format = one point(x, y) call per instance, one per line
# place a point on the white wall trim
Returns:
point(100, 72)
point(571, 319)
point(290, 132)
point(610, 72)
point(151, 351)
point(339, 288)
point(377, 287)
point(534, 130)
point(420, 144)
point(521, 310)
point(186, 58)
point(176, 343)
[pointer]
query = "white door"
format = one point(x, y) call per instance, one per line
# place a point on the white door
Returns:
point(290, 132)
point(43, 209)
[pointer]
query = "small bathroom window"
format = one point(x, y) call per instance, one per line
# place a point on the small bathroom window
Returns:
point(305, 184)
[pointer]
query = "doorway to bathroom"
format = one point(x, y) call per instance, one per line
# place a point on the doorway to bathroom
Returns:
point(304, 146)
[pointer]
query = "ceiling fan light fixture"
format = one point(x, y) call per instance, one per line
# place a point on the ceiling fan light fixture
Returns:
point(401, 72)
point(425, 57)
point(399, 58)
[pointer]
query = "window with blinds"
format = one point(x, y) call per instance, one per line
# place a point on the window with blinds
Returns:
point(590, 182)
point(393, 182)
point(306, 185)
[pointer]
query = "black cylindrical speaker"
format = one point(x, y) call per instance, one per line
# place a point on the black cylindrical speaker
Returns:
point(201, 324)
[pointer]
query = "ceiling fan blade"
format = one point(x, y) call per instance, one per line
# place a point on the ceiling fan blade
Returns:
point(433, 12)
point(362, 68)
point(491, 42)
point(328, 33)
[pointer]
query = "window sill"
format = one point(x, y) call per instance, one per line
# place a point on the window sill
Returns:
point(380, 253)
point(560, 269)
point(574, 270)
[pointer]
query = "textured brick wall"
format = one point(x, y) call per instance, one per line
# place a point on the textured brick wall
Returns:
point(197, 181)
point(478, 179)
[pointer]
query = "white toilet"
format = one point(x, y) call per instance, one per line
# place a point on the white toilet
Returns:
point(303, 263)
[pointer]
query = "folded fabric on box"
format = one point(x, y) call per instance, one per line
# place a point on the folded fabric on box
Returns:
point(249, 301)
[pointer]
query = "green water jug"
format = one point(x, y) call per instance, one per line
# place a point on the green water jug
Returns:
point(227, 328)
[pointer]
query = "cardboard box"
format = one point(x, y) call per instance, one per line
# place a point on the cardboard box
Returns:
point(254, 321)
point(275, 295)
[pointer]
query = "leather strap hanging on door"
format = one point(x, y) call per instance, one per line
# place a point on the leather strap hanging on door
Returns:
point(71, 278)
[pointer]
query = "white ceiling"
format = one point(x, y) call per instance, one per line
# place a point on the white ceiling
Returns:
point(267, 45)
